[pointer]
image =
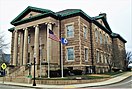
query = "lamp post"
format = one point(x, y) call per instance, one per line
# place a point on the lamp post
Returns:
point(34, 84)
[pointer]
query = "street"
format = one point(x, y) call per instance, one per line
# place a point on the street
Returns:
point(13, 87)
point(127, 83)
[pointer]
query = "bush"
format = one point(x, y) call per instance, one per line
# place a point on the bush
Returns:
point(115, 70)
point(77, 72)
point(53, 73)
point(66, 72)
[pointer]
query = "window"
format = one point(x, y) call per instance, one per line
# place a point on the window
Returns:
point(86, 54)
point(29, 38)
point(70, 31)
point(100, 38)
point(70, 53)
point(102, 61)
point(105, 58)
point(19, 38)
point(96, 35)
point(28, 58)
point(106, 39)
point(97, 56)
point(85, 32)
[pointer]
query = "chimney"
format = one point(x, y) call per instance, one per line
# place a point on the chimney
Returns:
point(103, 14)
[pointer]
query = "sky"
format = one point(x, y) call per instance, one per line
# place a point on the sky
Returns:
point(119, 13)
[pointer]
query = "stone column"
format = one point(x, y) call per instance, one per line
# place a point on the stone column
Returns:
point(25, 50)
point(36, 44)
point(15, 47)
point(36, 51)
point(21, 49)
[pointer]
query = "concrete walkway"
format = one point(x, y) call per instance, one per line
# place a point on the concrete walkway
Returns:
point(110, 81)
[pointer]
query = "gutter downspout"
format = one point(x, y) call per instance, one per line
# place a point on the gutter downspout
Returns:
point(91, 42)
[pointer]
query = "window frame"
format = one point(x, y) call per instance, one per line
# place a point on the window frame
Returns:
point(85, 31)
point(66, 25)
point(96, 35)
point(85, 53)
point(97, 56)
point(101, 39)
point(67, 53)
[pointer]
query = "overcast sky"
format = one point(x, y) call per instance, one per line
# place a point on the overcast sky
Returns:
point(118, 13)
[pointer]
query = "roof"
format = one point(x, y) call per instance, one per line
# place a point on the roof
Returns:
point(72, 12)
point(62, 15)
point(104, 19)
point(27, 10)
point(11, 29)
point(115, 35)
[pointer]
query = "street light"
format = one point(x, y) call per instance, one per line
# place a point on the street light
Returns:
point(34, 84)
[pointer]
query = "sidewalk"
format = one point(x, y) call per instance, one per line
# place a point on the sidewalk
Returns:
point(110, 81)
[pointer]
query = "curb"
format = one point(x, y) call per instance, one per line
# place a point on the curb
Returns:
point(69, 86)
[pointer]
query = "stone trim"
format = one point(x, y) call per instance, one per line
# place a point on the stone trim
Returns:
point(67, 55)
point(72, 23)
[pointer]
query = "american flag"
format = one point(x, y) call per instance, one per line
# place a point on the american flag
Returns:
point(53, 36)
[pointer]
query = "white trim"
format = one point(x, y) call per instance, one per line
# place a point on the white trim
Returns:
point(87, 30)
point(84, 53)
point(72, 23)
point(79, 24)
point(67, 54)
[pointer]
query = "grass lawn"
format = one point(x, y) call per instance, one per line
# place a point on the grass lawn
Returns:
point(85, 77)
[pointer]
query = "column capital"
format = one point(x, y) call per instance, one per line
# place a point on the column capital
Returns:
point(36, 26)
point(52, 23)
point(25, 28)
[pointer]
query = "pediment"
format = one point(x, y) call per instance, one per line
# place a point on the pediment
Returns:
point(30, 12)
point(101, 22)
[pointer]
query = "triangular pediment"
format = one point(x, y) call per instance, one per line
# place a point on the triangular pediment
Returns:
point(103, 21)
point(30, 12)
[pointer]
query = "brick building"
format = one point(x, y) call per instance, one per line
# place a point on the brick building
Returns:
point(91, 42)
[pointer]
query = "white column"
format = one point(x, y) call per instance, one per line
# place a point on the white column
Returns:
point(15, 47)
point(49, 26)
point(25, 50)
point(21, 49)
point(36, 44)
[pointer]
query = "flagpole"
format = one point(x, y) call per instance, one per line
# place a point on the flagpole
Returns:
point(48, 27)
point(61, 61)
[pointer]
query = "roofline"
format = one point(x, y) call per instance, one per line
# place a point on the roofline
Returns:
point(26, 10)
point(118, 36)
point(34, 18)
point(104, 19)
point(11, 29)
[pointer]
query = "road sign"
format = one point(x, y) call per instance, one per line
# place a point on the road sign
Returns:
point(3, 66)
point(64, 41)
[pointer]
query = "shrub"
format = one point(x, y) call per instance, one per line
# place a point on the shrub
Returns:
point(77, 72)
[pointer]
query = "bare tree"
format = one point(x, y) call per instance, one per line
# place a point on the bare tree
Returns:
point(110, 64)
point(128, 58)
point(3, 44)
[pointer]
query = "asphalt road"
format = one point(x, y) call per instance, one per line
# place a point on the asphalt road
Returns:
point(13, 87)
point(127, 83)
